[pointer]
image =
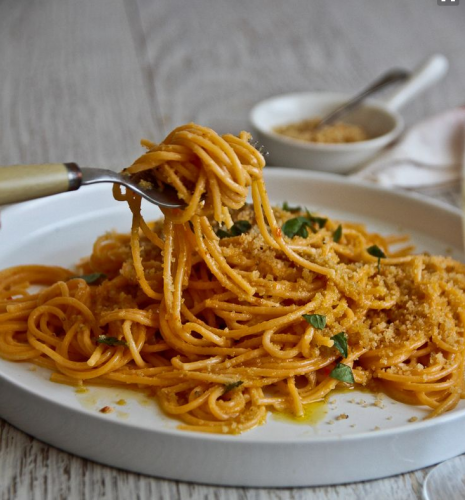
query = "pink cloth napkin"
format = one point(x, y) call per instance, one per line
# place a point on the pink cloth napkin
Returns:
point(429, 153)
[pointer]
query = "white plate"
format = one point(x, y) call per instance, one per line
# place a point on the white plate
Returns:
point(373, 442)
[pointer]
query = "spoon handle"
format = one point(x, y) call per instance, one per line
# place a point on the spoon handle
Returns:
point(392, 76)
point(27, 182)
point(430, 72)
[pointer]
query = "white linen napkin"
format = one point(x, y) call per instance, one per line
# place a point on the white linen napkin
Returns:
point(429, 153)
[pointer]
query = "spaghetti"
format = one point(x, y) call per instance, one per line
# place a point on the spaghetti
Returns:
point(225, 310)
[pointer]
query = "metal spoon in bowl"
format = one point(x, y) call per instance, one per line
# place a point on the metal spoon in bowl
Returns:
point(27, 182)
point(389, 78)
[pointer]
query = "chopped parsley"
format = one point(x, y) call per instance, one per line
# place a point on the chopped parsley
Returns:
point(91, 278)
point(231, 386)
point(103, 339)
point(221, 233)
point(376, 252)
point(238, 228)
point(321, 221)
point(291, 209)
point(340, 343)
point(343, 373)
point(337, 234)
point(298, 225)
point(318, 321)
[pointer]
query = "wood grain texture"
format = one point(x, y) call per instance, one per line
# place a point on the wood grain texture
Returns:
point(35, 471)
point(72, 88)
point(214, 60)
point(84, 80)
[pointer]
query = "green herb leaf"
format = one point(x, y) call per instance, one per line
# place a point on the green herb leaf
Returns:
point(317, 220)
point(302, 231)
point(238, 228)
point(297, 227)
point(221, 233)
point(292, 227)
point(231, 386)
point(103, 339)
point(376, 252)
point(320, 221)
point(343, 373)
point(340, 343)
point(337, 234)
point(91, 278)
point(291, 209)
point(316, 320)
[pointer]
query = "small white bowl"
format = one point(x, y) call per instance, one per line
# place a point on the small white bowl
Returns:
point(379, 119)
point(381, 125)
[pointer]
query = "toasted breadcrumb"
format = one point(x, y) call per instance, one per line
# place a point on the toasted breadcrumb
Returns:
point(337, 133)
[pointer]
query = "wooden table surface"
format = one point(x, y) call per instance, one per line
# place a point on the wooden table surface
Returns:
point(85, 80)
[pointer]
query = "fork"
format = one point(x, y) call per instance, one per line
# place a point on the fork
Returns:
point(28, 182)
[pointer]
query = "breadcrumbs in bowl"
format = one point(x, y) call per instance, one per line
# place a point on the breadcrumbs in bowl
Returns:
point(332, 134)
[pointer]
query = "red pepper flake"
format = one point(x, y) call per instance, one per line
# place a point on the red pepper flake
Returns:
point(326, 370)
point(278, 232)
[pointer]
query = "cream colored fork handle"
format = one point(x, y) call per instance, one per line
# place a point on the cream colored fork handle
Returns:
point(27, 182)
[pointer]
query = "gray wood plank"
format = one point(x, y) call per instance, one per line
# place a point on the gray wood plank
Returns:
point(72, 88)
